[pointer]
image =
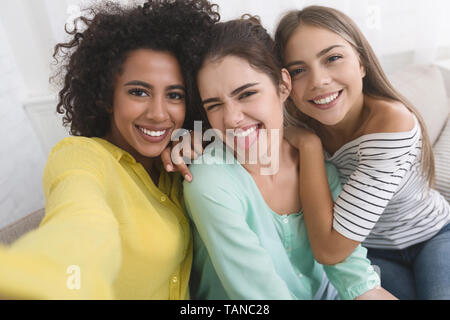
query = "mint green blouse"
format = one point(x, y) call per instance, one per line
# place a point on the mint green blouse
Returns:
point(244, 250)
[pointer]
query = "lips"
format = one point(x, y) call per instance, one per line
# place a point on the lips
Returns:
point(326, 101)
point(153, 134)
point(246, 131)
point(246, 136)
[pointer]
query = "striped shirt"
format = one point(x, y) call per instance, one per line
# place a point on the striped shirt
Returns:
point(385, 201)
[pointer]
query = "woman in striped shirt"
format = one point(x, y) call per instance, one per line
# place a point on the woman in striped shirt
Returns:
point(379, 143)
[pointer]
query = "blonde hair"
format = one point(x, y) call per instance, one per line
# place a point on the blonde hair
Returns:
point(375, 83)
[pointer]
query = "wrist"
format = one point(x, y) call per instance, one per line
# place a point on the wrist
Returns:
point(311, 141)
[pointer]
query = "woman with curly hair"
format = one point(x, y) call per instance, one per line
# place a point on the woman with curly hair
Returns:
point(115, 224)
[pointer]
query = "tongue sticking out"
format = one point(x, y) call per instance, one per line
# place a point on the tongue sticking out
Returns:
point(244, 143)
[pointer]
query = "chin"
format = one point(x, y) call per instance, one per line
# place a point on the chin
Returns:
point(152, 152)
point(328, 119)
point(328, 122)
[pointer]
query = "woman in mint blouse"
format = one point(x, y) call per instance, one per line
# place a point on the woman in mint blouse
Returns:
point(250, 240)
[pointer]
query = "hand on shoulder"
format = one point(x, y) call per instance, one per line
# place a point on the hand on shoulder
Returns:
point(299, 137)
point(388, 116)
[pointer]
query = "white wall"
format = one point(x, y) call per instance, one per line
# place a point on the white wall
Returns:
point(21, 159)
point(401, 31)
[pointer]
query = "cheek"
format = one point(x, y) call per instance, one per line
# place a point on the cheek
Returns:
point(215, 119)
point(122, 116)
point(298, 92)
point(178, 114)
point(350, 73)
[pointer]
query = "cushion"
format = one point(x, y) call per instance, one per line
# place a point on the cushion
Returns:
point(14, 231)
point(442, 162)
point(424, 87)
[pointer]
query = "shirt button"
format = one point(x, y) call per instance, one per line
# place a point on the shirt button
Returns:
point(300, 275)
point(285, 220)
point(163, 198)
point(174, 279)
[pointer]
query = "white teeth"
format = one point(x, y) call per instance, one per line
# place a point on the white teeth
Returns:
point(152, 133)
point(327, 100)
point(245, 133)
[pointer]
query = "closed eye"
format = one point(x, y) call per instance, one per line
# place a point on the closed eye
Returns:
point(210, 108)
point(247, 94)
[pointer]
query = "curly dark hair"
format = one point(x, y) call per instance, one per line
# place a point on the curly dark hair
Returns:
point(90, 62)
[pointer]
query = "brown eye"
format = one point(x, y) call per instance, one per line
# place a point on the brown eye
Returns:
point(296, 72)
point(138, 92)
point(175, 96)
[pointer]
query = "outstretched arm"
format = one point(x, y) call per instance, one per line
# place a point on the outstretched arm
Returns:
point(76, 252)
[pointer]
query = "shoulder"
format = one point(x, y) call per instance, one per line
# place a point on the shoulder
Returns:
point(215, 188)
point(75, 153)
point(387, 116)
point(210, 173)
point(78, 145)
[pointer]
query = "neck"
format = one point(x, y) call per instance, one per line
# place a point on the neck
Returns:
point(147, 162)
point(280, 157)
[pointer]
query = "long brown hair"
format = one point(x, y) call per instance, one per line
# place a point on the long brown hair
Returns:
point(244, 38)
point(375, 83)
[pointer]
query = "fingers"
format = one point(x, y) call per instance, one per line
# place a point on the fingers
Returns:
point(166, 159)
point(180, 153)
point(180, 165)
point(197, 143)
point(173, 161)
point(184, 170)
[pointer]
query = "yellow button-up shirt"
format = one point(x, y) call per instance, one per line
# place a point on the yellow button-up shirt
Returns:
point(108, 232)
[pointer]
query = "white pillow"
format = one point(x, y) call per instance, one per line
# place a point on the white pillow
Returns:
point(424, 87)
point(442, 162)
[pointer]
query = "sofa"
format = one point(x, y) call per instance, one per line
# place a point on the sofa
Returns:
point(427, 87)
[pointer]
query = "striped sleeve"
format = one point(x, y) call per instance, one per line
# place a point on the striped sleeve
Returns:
point(383, 161)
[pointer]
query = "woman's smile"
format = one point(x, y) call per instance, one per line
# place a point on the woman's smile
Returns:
point(246, 136)
point(327, 101)
point(154, 135)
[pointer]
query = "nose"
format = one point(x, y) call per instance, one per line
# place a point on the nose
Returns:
point(157, 109)
point(319, 77)
point(232, 115)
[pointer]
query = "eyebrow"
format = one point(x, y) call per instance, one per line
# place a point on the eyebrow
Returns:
point(320, 54)
point(232, 94)
point(149, 86)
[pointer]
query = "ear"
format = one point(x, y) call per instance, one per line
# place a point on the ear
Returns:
point(286, 84)
point(362, 69)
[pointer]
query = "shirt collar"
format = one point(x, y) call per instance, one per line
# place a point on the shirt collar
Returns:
point(115, 151)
